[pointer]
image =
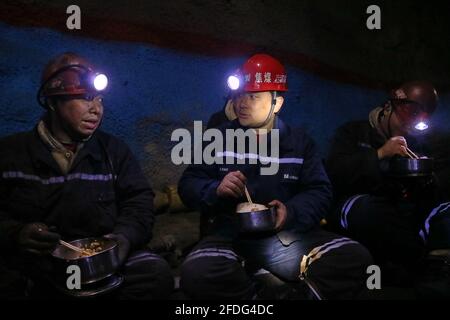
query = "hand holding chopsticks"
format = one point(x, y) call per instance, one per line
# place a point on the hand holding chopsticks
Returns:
point(395, 146)
point(232, 185)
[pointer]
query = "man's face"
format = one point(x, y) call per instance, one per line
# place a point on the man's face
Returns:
point(80, 117)
point(406, 116)
point(252, 108)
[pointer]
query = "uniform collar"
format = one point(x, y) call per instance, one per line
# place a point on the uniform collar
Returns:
point(277, 124)
point(92, 148)
point(41, 151)
point(286, 139)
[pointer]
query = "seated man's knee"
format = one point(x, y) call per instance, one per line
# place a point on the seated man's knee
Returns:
point(341, 273)
point(214, 278)
point(360, 255)
point(147, 276)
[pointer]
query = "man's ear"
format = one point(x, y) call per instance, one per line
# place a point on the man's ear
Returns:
point(278, 104)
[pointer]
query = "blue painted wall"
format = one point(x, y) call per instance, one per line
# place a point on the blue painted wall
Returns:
point(153, 91)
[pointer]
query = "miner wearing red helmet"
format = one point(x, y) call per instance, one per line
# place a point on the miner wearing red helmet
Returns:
point(222, 263)
point(261, 82)
point(401, 216)
point(67, 180)
point(260, 79)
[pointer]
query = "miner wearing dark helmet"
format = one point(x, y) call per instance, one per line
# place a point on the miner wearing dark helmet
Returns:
point(398, 216)
point(68, 180)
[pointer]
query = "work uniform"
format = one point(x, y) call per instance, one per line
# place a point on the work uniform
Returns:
point(393, 217)
point(333, 266)
point(101, 191)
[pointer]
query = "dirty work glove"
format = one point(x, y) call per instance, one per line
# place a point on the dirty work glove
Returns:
point(123, 244)
point(37, 238)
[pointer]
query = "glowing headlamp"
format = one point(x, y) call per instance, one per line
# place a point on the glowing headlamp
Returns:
point(421, 126)
point(233, 82)
point(100, 82)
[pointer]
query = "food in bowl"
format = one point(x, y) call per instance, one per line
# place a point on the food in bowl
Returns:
point(100, 261)
point(250, 207)
point(91, 248)
point(255, 217)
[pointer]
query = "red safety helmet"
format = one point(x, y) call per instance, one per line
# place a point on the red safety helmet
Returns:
point(261, 72)
point(70, 75)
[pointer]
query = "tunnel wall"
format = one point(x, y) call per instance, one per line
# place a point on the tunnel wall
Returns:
point(155, 90)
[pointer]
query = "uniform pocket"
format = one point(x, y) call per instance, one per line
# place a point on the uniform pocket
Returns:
point(106, 209)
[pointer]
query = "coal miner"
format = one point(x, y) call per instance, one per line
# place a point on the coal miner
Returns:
point(66, 180)
point(388, 196)
point(230, 261)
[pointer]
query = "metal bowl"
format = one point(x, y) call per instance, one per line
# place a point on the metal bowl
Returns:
point(257, 221)
point(93, 268)
point(407, 167)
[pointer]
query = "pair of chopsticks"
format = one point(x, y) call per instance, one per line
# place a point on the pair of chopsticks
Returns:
point(248, 196)
point(411, 154)
point(71, 246)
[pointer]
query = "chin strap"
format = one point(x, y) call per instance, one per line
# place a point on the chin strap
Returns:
point(389, 125)
point(391, 111)
point(272, 108)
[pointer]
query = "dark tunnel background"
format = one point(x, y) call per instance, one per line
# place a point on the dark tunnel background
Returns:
point(167, 62)
point(153, 91)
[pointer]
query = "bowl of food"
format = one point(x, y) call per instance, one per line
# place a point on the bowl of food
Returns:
point(98, 260)
point(408, 167)
point(255, 217)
